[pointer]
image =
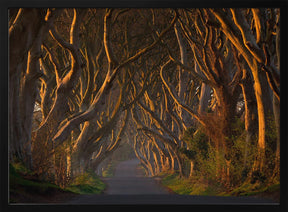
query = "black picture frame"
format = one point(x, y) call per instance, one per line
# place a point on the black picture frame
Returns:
point(6, 4)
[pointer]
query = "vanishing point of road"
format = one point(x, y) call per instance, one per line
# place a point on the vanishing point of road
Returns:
point(129, 186)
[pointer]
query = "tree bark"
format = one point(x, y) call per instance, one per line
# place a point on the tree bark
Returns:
point(60, 108)
point(251, 122)
point(230, 29)
point(276, 105)
point(20, 119)
point(183, 76)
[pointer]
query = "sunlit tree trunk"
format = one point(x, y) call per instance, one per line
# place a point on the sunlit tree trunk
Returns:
point(27, 99)
point(183, 76)
point(22, 91)
point(252, 56)
point(251, 121)
point(60, 108)
point(171, 160)
point(113, 144)
point(261, 119)
point(205, 94)
point(46, 92)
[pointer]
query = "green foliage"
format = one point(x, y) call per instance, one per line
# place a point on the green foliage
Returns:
point(242, 179)
point(21, 179)
point(13, 171)
point(237, 127)
point(271, 141)
point(191, 186)
point(109, 171)
point(177, 184)
point(87, 183)
point(243, 156)
point(257, 189)
point(271, 132)
point(190, 154)
point(201, 144)
point(197, 143)
point(200, 151)
point(199, 186)
point(24, 183)
point(19, 168)
point(258, 176)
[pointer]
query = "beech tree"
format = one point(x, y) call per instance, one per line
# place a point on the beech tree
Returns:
point(24, 73)
point(155, 77)
point(256, 47)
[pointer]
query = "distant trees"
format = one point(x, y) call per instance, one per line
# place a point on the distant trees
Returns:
point(157, 77)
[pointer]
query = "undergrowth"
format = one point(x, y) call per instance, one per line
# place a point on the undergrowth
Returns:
point(109, 170)
point(199, 186)
point(87, 183)
point(24, 184)
point(209, 175)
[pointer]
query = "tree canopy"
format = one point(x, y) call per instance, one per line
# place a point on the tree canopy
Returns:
point(196, 91)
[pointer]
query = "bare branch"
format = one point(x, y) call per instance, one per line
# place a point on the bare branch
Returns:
point(175, 97)
point(54, 62)
point(248, 38)
point(143, 51)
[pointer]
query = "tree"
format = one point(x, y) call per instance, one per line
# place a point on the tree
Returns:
point(155, 76)
point(256, 49)
point(23, 84)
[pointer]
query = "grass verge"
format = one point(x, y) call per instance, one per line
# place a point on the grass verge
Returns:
point(188, 186)
point(199, 186)
point(24, 187)
point(87, 183)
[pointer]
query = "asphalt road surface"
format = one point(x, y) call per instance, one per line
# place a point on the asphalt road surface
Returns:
point(129, 179)
point(129, 186)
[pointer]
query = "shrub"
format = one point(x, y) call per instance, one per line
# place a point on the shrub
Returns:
point(87, 183)
point(197, 143)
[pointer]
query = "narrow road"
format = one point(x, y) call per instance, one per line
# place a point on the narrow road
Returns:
point(129, 186)
point(129, 179)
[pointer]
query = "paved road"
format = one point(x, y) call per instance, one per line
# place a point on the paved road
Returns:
point(129, 186)
point(129, 179)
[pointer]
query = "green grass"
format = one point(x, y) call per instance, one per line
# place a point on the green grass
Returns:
point(87, 183)
point(17, 180)
point(182, 185)
point(248, 189)
point(25, 187)
point(18, 168)
point(23, 183)
point(198, 186)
